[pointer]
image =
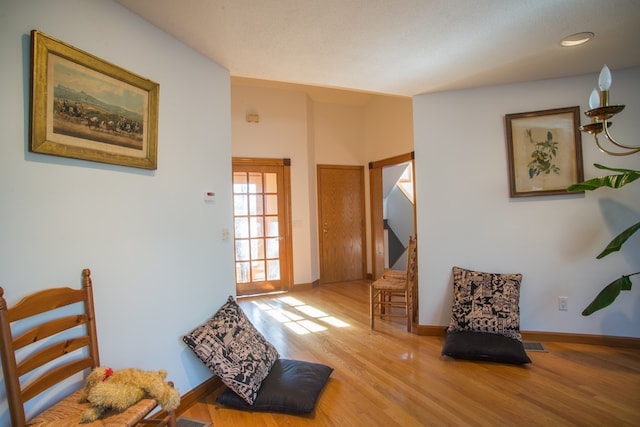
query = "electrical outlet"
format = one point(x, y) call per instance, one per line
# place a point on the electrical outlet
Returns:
point(563, 303)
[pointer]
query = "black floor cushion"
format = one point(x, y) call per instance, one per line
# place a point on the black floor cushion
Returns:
point(292, 387)
point(484, 346)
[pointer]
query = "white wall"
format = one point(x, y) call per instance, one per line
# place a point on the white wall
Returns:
point(388, 127)
point(339, 134)
point(311, 132)
point(281, 133)
point(466, 218)
point(160, 266)
point(388, 133)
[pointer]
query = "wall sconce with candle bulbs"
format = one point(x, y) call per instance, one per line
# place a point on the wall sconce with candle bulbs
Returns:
point(600, 111)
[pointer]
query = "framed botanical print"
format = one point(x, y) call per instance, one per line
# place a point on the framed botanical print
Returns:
point(544, 151)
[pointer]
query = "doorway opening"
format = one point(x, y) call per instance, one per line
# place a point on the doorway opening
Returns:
point(398, 213)
point(393, 215)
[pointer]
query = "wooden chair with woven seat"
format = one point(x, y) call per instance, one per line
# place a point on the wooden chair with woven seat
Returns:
point(49, 337)
point(396, 289)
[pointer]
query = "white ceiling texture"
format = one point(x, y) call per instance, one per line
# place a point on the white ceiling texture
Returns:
point(402, 47)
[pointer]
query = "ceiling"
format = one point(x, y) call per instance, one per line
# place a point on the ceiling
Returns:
point(401, 47)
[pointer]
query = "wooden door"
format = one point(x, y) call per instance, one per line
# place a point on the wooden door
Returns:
point(341, 223)
point(262, 225)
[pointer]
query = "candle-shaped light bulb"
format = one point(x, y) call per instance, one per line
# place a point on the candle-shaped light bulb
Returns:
point(594, 99)
point(604, 81)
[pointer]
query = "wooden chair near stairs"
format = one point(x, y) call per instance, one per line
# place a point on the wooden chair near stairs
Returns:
point(396, 289)
point(61, 346)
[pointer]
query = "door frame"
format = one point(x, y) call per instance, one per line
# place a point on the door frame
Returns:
point(286, 265)
point(376, 210)
point(377, 221)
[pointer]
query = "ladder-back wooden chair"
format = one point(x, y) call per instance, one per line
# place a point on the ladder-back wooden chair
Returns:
point(42, 346)
point(396, 289)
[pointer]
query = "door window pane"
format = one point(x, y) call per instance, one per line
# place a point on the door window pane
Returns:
point(241, 228)
point(273, 270)
point(255, 205)
point(239, 182)
point(271, 204)
point(257, 249)
point(271, 224)
point(257, 271)
point(257, 228)
point(255, 182)
point(240, 205)
point(242, 272)
point(271, 183)
point(273, 248)
point(242, 250)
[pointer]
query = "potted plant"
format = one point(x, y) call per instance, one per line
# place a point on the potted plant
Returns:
point(610, 292)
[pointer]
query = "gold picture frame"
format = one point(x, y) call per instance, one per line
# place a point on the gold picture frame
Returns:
point(86, 108)
point(544, 151)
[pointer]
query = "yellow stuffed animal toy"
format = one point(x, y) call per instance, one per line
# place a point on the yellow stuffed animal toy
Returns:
point(108, 389)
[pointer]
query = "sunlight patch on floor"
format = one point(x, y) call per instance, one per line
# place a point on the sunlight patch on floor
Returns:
point(305, 320)
point(311, 326)
point(261, 305)
point(291, 301)
point(334, 321)
point(311, 311)
point(283, 316)
point(297, 328)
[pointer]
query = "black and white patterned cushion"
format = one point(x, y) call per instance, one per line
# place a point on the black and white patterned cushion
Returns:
point(232, 348)
point(486, 302)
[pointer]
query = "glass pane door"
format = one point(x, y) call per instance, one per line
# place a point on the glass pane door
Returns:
point(258, 214)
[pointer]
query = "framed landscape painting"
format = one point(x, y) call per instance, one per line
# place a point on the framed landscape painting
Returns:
point(85, 108)
point(544, 151)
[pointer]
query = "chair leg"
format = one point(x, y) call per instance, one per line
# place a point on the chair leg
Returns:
point(407, 310)
point(169, 420)
point(385, 303)
point(381, 303)
point(372, 311)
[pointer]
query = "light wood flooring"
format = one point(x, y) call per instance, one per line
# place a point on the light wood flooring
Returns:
point(389, 377)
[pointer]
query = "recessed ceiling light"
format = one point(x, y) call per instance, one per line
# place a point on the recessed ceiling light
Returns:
point(577, 39)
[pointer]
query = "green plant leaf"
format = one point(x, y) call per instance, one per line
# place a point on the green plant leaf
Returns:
point(599, 166)
point(625, 177)
point(609, 294)
point(619, 240)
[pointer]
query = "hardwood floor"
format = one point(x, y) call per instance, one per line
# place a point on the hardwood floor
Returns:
point(389, 377)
